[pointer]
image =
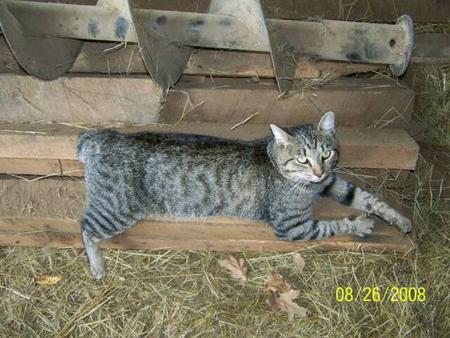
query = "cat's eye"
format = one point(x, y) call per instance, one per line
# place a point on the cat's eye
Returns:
point(326, 154)
point(302, 160)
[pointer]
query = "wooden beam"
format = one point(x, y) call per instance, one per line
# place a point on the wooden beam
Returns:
point(357, 103)
point(107, 100)
point(38, 167)
point(192, 235)
point(93, 59)
point(431, 48)
point(360, 148)
point(80, 99)
point(52, 221)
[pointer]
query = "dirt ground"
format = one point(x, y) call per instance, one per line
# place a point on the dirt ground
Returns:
point(171, 293)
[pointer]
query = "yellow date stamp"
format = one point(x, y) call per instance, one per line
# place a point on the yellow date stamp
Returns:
point(375, 294)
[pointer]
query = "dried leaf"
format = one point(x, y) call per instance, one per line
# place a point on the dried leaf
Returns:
point(299, 262)
point(48, 280)
point(284, 302)
point(276, 283)
point(237, 268)
point(281, 296)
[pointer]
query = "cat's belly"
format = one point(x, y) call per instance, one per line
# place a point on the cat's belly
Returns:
point(209, 201)
point(208, 189)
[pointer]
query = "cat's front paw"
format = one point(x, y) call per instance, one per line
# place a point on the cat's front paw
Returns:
point(392, 217)
point(362, 226)
point(402, 223)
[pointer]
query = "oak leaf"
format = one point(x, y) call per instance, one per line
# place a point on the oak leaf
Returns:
point(276, 283)
point(284, 302)
point(281, 296)
point(237, 268)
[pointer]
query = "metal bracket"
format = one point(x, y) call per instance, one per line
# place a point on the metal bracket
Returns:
point(47, 37)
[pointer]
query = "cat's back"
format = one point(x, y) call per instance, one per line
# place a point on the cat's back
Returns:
point(112, 145)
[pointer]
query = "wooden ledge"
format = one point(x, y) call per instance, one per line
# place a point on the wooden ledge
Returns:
point(226, 235)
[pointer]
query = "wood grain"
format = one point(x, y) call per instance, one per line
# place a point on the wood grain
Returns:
point(431, 48)
point(80, 99)
point(192, 235)
point(356, 102)
point(106, 100)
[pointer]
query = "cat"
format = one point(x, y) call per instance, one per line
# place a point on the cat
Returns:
point(277, 179)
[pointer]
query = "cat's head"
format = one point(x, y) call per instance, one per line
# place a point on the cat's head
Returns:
point(307, 152)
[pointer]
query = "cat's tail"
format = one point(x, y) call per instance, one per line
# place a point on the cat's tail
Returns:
point(89, 142)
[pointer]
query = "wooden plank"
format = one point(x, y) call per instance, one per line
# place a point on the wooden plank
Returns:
point(357, 103)
point(80, 99)
point(431, 48)
point(107, 100)
point(46, 167)
point(28, 219)
point(63, 233)
point(92, 59)
point(359, 148)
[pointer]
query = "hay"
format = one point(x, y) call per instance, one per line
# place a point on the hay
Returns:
point(187, 294)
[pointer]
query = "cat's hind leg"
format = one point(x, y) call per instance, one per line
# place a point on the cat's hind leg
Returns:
point(101, 221)
point(94, 255)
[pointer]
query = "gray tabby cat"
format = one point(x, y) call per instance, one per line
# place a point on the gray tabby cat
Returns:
point(277, 179)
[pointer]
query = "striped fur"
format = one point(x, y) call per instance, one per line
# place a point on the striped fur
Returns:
point(131, 177)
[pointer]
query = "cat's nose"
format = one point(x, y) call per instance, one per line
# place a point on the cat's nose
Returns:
point(318, 171)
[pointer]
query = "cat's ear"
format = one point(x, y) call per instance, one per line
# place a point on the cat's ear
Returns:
point(326, 123)
point(281, 137)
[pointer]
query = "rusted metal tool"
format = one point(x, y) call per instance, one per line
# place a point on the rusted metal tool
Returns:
point(47, 37)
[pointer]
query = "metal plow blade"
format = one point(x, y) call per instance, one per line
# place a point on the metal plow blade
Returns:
point(47, 37)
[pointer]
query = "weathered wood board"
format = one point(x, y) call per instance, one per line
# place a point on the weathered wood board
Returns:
point(431, 48)
point(193, 235)
point(106, 100)
point(359, 148)
point(80, 99)
point(356, 102)
point(27, 219)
